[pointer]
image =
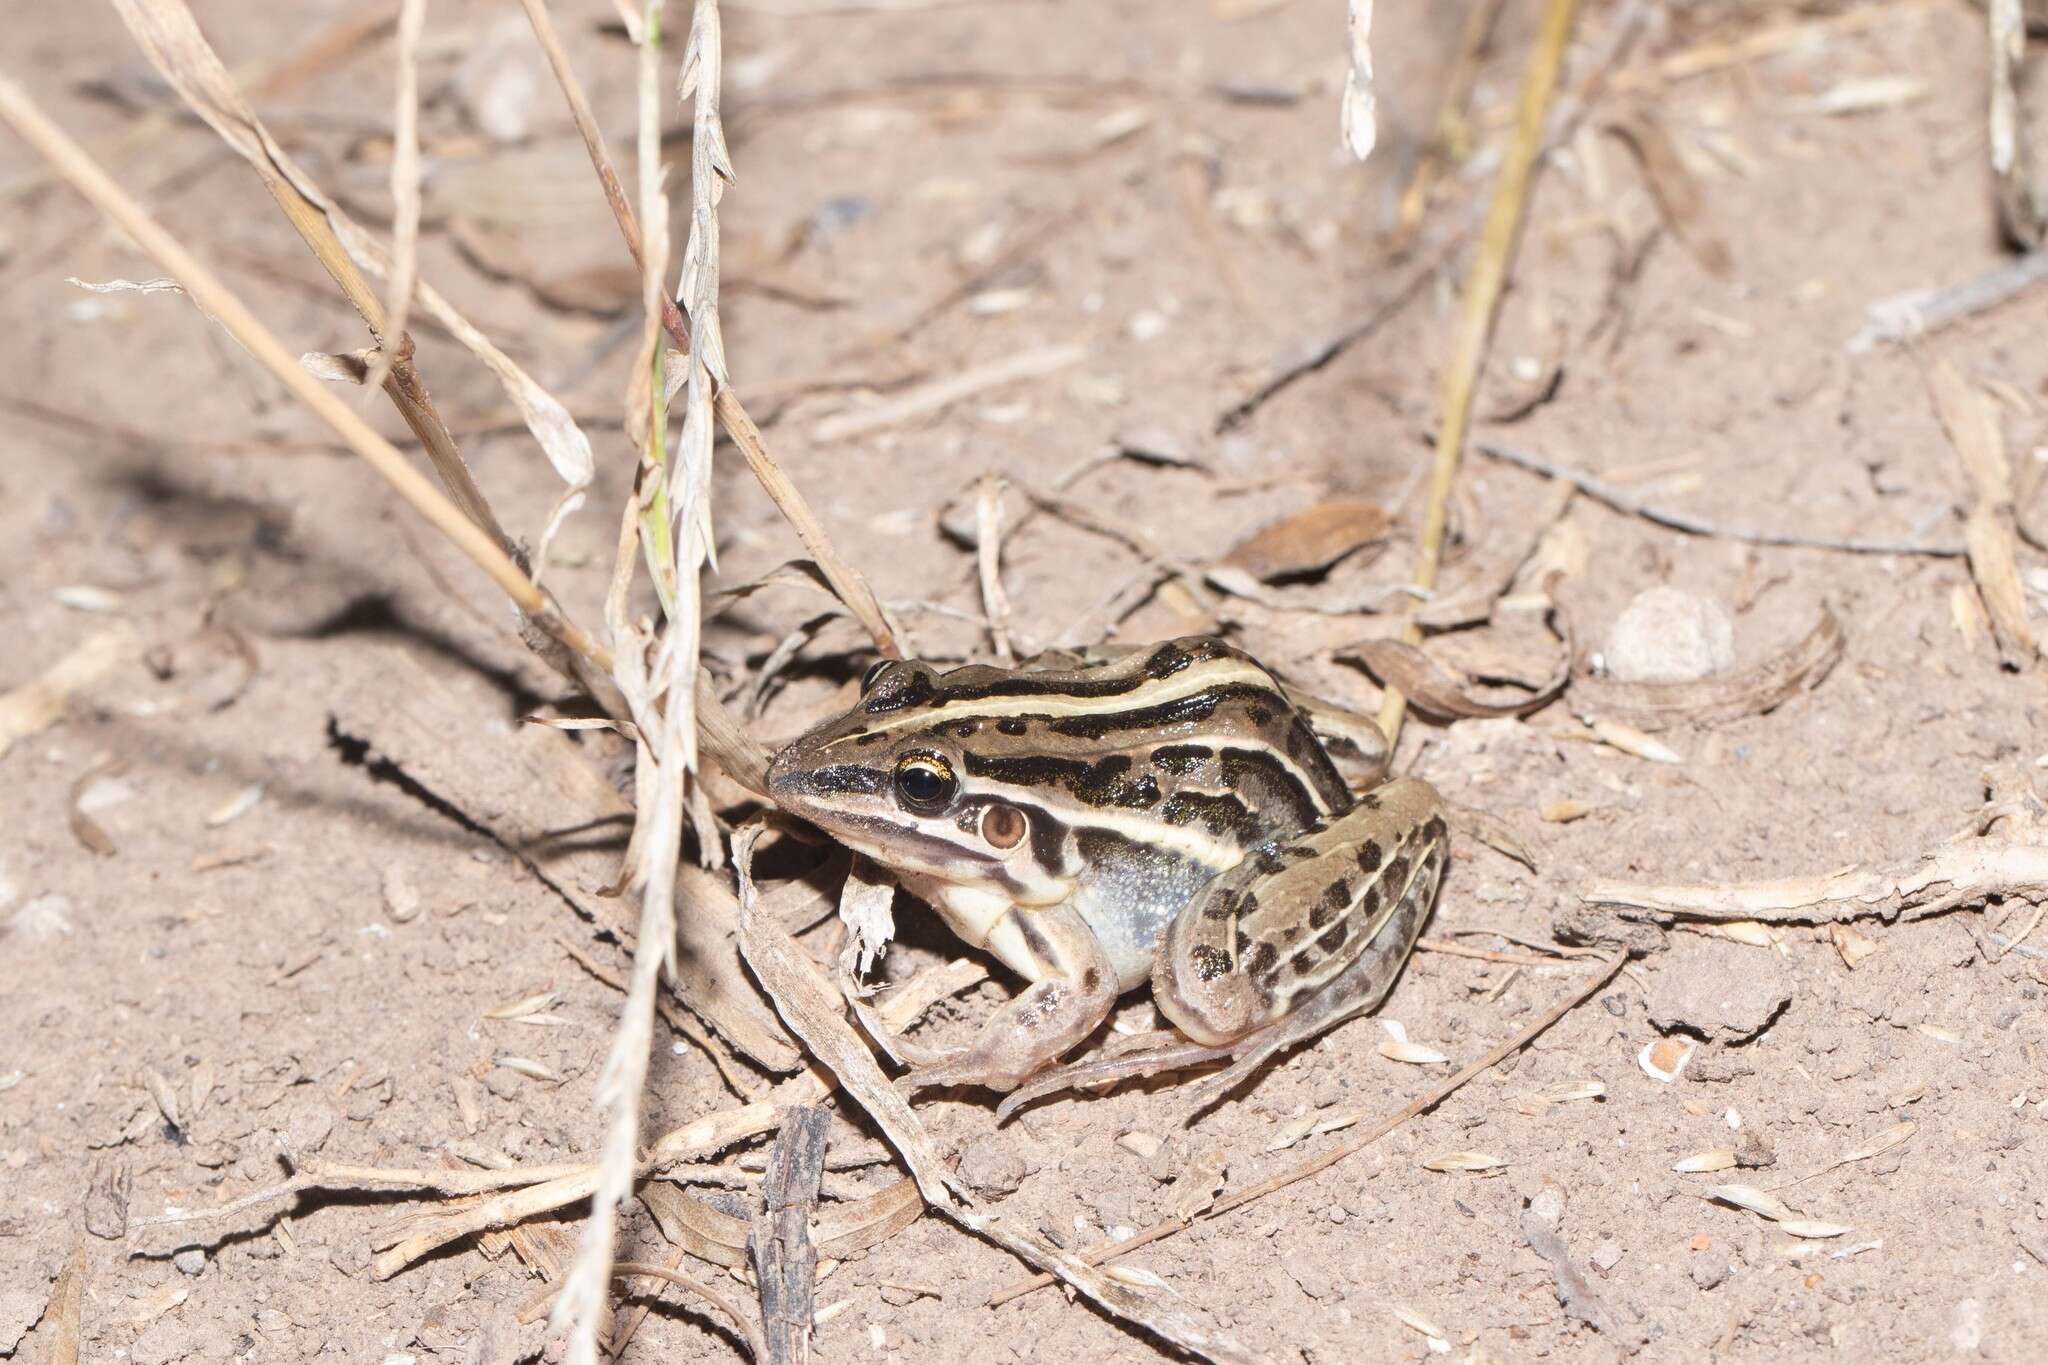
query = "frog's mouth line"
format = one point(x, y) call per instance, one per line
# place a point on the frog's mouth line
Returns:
point(874, 832)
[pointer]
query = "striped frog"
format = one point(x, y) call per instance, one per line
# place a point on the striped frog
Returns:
point(1172, 816)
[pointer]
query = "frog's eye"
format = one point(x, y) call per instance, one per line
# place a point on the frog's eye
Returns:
point(1003, 826)
point(867, 679)
point(924, 780)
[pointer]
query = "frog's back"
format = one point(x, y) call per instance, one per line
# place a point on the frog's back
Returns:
point(1142, 778)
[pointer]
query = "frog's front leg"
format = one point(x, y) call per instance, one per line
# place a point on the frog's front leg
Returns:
point(1309, 929)
point(1073, 986)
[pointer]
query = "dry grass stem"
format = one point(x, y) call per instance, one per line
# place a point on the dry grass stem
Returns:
point(1358, 115)
point(66, 1309)
point(1964, 870)
point(171, 37)
point(1096, 1255)
point(214, 298)
point(1480, 301)
point(2020, 203)
point(656, 674)
point(938, 394)
point(847, 582)
point(1971, 420)
point(405, 188)
point(1773, 40)
point(784, 1252)
point(988, 558)
point(1450, 138)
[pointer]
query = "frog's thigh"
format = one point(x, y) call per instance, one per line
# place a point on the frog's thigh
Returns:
point(1278, 934)
point(1072, 988)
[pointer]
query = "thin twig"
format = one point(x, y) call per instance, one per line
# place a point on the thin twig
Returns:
point(1483, 285)
point(1621, 500)
point(1108, 1251)
point(1919, 312)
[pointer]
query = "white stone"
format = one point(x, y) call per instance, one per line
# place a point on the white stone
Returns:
point(1669, 635)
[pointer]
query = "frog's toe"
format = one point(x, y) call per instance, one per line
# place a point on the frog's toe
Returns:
point(1107, 1071)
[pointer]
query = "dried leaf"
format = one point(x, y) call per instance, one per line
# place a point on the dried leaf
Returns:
point(1659, 705)
point(91, 835)
point(1865, 93)
point(1293, 1131)
point(1309, 543)
point(865, 903)
point(528, 1067)
point(1200, 1181)
point(1436, 688)
point(1491, 830)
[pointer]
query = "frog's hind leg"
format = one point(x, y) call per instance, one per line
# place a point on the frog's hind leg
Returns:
point(1357, 990)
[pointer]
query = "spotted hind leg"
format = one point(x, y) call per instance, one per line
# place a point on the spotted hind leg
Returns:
point(1304, 934)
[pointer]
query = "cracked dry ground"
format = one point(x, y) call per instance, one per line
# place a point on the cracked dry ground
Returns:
point(310, 974)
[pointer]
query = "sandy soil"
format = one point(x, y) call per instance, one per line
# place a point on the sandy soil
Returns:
point(294, 938)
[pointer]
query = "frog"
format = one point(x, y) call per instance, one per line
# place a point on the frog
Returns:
point(1171, 816)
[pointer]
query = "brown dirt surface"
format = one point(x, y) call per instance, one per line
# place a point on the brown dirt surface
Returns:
point(296, 916)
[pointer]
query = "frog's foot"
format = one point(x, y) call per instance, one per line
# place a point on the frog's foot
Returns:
point(1107, 1070)
point(919, 1056)
point(1024, 1036)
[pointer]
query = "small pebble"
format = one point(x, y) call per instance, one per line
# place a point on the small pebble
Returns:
point(1607, 1255)
point(190, 1261)
point(1753, 1149)
point(991, 1165)
point(401, 901)
point(1708, 1269)
point(1143, 1145)
point(1669, 635)
point(1548, 1204)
